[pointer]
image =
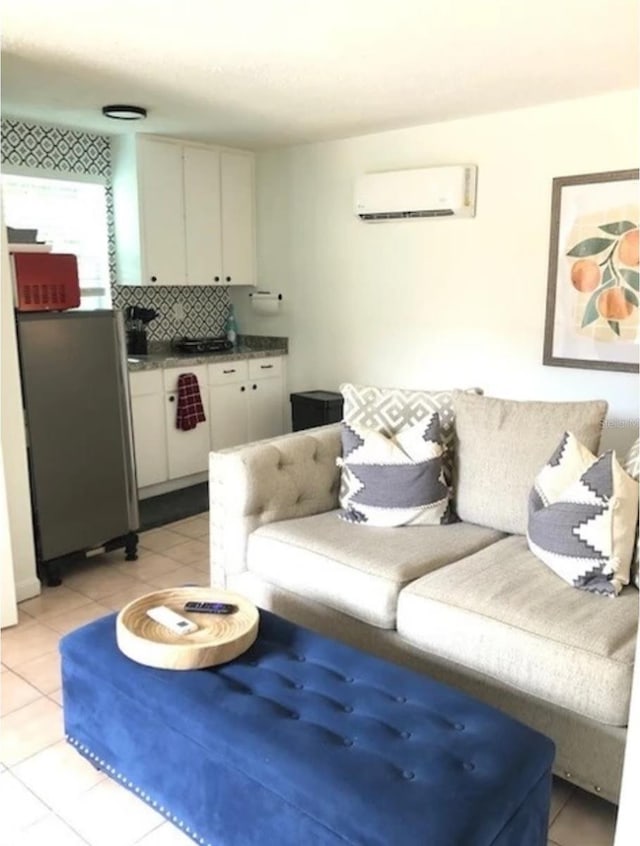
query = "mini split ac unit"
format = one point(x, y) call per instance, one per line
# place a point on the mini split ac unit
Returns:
point(426, 192)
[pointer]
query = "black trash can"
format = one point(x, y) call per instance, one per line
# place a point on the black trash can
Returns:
point(315, 408)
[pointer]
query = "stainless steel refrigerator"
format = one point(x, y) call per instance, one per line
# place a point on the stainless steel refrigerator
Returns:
point(79, 434)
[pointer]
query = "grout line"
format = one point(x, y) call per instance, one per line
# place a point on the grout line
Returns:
point(570, 793)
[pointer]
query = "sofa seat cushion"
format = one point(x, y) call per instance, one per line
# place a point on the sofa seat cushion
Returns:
point(358, 570)
point(500, 612)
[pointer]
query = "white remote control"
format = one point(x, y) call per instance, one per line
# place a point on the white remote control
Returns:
point(172, 621)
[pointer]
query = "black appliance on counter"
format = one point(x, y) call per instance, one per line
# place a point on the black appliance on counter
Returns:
point(197, 346)
point(136, 320)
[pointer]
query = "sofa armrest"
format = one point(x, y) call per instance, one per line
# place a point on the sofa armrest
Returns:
point(281, 478)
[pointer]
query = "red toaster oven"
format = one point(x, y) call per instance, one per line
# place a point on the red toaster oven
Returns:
point(46, 281)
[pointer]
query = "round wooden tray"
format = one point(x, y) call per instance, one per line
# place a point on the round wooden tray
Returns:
point(219, 638)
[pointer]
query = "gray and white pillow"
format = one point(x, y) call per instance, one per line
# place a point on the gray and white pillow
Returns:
point(390, 410)
point(394, 480)
point(582, 518)
point(632, 466)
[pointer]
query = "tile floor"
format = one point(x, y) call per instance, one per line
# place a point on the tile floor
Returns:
point(48, 793)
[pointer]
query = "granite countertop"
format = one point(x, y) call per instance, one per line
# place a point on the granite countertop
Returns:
point(250, 346)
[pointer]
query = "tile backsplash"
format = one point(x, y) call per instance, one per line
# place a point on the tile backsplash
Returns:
point(200, 310)
point(195, 312)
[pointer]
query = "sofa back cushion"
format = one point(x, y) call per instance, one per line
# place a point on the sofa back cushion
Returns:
point(500, 447)
point(390, 410)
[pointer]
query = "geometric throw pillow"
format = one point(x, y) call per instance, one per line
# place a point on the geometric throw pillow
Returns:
point(390, 410)
point(632, 465)
point(582, 518)
point(396, 480)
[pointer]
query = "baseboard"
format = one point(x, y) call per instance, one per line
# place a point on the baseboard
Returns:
point(173, 485)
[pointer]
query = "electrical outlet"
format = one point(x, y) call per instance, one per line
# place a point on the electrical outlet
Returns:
point(178, 311)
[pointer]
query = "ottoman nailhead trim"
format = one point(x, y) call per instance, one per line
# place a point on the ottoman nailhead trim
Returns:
point(88, 753)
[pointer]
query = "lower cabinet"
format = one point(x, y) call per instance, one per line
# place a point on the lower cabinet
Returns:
point(187, 451)
point(265, 390)
point(149, 427)
point(228, 420)
point(246, 401)
point(243, 401)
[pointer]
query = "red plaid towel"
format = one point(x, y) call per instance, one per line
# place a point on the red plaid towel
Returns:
point(190, 411)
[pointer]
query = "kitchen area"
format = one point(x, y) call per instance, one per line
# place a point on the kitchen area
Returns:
point(181, 238)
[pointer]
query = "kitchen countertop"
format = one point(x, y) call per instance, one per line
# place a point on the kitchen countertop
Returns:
point(250, 347)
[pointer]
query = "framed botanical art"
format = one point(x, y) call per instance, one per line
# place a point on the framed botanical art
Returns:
point(593, 298)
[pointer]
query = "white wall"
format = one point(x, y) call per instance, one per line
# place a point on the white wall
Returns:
point(435, 303)
point(8, 607)
point(19, 532)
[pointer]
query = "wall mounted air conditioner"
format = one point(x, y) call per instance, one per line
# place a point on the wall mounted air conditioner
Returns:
point(427, 192)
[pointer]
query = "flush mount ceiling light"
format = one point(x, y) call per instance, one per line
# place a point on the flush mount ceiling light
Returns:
point(124, 112)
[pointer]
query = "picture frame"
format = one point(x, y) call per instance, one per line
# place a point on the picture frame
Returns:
point(592, 315)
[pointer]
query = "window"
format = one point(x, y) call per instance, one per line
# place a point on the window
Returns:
point(72, 215)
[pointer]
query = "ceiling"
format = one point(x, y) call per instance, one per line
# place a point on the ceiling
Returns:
point(265, 73)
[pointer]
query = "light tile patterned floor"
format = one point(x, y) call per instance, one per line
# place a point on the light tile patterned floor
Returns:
point(49, 794)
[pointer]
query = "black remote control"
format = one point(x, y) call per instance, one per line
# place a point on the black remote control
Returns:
point(211, 607)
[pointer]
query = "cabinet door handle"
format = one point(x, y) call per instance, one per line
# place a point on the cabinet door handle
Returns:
point(266, 366)
point(216, 278)
point(228, 278)
point(172, 399)
point(243, 388)
point(229, 371)
point(254, 387)
point(154, 278)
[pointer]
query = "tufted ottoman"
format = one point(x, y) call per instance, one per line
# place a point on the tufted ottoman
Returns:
point(304, 741)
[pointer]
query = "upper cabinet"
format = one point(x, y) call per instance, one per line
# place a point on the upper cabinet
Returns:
point(237, 189)
point(184, 213)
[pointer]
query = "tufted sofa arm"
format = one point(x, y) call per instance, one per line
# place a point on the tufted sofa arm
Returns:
point(290, 476)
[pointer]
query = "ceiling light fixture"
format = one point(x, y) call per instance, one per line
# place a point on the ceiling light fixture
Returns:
point(124, 112)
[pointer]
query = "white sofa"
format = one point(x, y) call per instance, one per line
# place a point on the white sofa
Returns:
point(467, 603)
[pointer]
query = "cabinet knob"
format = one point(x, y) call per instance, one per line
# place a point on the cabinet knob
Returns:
point(172, 399)
point(216, 278)
point(154, 278)
point(242, 388)
point(228, 278)
point(254, 387)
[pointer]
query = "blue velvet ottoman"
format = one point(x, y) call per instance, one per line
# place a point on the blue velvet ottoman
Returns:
point(303, 741)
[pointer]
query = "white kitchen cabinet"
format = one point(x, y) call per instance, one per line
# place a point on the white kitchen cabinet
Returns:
point(149, 427)
point(187, 451)
point(238, 229)
point(184, 213)
point(266, 418)
point(245, 401)
point(203, 235)
point(228, 403)
point(162, 212)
